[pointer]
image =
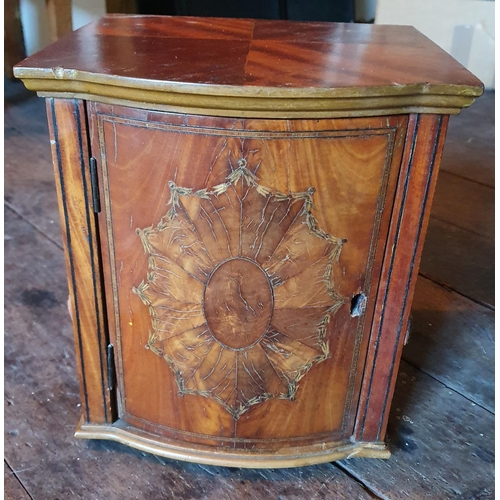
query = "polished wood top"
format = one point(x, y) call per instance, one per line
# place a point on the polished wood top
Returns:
point(118, 56)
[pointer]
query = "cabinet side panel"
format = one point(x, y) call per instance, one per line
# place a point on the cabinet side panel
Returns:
point(67, 126)
point(420, 165)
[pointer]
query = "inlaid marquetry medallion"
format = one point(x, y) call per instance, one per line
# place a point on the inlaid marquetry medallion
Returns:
point(239, 290)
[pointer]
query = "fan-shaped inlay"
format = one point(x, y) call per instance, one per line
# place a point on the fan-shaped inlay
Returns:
point(239, 290)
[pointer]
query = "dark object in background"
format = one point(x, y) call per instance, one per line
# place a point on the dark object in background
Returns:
point(14, 49)
point(255, 9)
point(296, 10)
point(340, 11)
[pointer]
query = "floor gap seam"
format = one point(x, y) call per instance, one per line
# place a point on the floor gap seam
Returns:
point(462, 294)
point(18, 479)
point(468, 179)
point(360, 481)
point(433, 377)
point(444, 221)
point(25, 219)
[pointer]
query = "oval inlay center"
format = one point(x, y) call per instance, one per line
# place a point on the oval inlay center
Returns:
point(238, 303)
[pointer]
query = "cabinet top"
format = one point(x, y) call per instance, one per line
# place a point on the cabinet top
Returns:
point(260, 68)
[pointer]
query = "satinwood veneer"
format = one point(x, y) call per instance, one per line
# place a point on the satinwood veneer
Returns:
point(243, 208)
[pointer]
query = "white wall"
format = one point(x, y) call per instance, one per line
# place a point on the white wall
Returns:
point(464, 28)
point(36, 24)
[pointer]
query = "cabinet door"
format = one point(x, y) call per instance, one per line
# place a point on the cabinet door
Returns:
point(241, 260)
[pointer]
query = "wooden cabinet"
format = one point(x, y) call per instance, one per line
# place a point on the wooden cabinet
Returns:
point(243, 205)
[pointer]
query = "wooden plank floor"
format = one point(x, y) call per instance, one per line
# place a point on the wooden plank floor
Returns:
point(441, 425)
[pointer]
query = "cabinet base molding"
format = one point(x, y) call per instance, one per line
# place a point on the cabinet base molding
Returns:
point(122, 433)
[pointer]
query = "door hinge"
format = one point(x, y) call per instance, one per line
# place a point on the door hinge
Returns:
point(111, 366)
point(96, 201)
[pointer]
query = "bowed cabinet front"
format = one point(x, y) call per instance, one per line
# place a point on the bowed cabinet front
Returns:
point(243, 206)
point(241, 268)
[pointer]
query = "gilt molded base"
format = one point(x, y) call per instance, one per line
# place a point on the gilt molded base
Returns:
point(299, 456)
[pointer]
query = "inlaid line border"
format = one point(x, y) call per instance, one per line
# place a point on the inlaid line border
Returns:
point(390, 132)
point(69, 250)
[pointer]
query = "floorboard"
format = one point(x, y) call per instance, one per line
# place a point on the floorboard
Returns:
point(469, 151)
point(460, 260)
point(28, 173)
point(441, 443)
point(441, 424)
point(13, 488)
point(465, 204)
point(452, 340)
point(42, 408)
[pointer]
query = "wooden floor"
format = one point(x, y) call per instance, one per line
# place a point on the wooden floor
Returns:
point(441, 425)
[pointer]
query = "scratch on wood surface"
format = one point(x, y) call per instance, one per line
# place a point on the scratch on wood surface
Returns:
point(273, 228)
point(115, 143)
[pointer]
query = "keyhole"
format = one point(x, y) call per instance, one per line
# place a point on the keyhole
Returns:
point(358, 304)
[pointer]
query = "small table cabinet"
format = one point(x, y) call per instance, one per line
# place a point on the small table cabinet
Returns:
point(243, 208)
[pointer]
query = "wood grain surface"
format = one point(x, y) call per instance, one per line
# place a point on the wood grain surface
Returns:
point(465, 229)
point(443, 319)
point(465, 266)
point(40, 365)
point(242, 67)
point(453, 456)
point(30, 192)
point(309, 310)
point(239, 289)
point(68, 134)
point(480, 223)
point(59, 17)
point(13, 487)
point(420, 166)
point(228, 181)
point(42, 406)
point(468, 152)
